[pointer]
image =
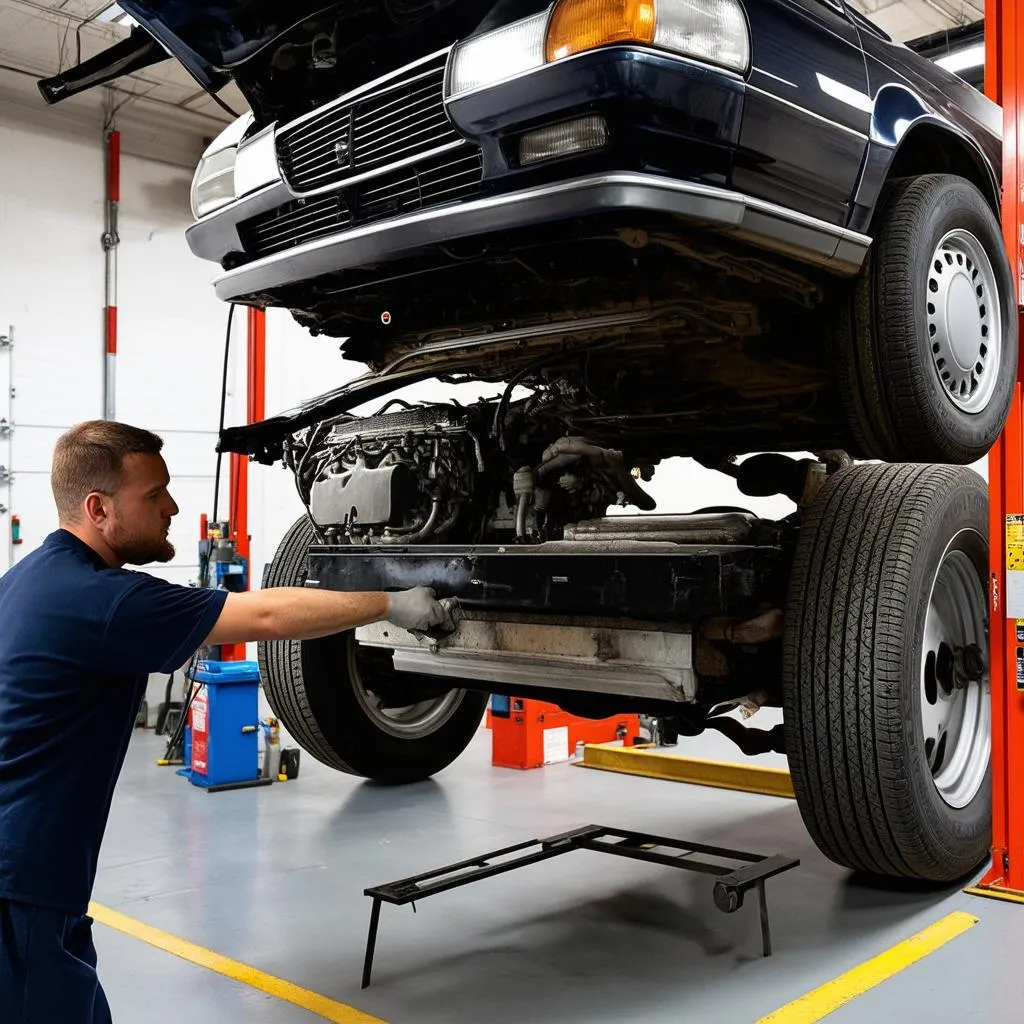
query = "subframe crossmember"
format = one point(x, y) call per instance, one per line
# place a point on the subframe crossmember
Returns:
point(678, 583)
point(731, 885)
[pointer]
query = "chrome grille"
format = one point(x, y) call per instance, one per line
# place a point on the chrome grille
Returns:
point(447, 178)
point(291, 225)
point(396, 122)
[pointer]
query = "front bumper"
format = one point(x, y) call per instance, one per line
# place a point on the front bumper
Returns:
point(675, 128)
point(706, 206)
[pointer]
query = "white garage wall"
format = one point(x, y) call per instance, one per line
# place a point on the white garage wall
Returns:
point(170, 326)
point(52, 292)
point(171, 335)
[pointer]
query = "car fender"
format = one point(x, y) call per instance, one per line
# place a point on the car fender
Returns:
point(896, 113)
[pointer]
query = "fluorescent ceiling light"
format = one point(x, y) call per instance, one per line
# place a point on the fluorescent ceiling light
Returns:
point(964, 60)
point(115, 16)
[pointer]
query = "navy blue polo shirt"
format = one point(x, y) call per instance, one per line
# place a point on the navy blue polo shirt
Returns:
point(77, 642)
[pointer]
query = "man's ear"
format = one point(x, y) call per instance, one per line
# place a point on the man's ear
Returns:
point(95, 509)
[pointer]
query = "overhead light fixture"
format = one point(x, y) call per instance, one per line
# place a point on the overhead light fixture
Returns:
point(963, 60)
point(114, 15)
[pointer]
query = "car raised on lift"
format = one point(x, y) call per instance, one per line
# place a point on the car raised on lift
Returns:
point(664, 228)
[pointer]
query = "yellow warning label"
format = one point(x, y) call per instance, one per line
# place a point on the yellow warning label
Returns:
point(1015, 543)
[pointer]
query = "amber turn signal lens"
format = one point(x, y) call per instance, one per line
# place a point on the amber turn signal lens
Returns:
point(579, 25)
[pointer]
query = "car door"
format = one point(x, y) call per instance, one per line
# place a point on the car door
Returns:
point(807, 110)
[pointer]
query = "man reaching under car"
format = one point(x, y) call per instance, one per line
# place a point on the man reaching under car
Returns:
point(79, 635)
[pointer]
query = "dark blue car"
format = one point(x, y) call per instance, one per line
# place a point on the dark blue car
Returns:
point(761, 224)
point(661, 228)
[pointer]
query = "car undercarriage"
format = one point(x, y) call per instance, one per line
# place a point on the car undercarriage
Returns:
point(663, 344)
point(500, 505)
point(576, 590)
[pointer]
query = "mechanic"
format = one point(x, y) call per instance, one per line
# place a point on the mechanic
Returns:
point(79, 635)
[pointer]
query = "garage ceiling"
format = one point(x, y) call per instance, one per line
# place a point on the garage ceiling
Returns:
point(163, 112)
point(910, 19)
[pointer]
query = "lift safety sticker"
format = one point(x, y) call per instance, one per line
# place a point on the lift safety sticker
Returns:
point(1015, 543)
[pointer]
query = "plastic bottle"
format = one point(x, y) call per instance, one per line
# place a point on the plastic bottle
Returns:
point(272, 750)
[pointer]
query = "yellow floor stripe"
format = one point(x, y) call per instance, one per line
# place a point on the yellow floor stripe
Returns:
point(720, 774)
point(328, 1009)
point(822, 1001)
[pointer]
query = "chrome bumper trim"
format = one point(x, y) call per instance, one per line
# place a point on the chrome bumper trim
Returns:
point(766, 224)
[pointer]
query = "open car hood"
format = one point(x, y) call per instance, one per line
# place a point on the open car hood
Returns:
point(211, 40)
point(286, 56)
point(208, 39)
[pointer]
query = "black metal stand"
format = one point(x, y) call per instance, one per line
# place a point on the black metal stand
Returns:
point(731, 885)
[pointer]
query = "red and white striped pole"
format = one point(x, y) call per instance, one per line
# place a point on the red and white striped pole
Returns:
point(110, 243)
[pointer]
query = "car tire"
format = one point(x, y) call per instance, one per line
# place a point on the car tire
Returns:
point(888, 582)
point(323, 692)
point(926, 348)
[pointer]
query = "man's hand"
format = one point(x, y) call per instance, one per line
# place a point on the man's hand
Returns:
point(300, 613)
point(419, 611)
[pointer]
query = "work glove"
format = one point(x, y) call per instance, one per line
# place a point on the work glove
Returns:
point(419, 611)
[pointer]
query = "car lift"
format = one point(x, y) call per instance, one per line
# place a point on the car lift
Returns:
point(1004, 75)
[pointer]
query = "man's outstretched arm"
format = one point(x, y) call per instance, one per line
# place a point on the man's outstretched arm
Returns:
point(298, 613)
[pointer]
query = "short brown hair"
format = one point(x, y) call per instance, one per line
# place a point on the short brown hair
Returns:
point(90, 457)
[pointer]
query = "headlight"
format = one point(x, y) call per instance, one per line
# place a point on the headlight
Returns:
point(709, 30)
point(498, 55)
point(213, 184)
point(714, 31)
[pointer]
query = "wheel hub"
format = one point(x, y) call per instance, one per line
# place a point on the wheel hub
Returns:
point(403, 718)
point(964, 326)
point(955, 710)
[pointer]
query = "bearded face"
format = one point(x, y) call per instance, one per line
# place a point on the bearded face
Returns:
point(140, 513)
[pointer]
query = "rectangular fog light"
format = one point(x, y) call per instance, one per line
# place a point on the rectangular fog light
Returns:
point(585, 133)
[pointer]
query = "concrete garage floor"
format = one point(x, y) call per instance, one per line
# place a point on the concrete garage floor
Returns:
point(274, 878)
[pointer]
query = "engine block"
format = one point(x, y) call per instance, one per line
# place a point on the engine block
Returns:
point(396, 477)
point(497, 471)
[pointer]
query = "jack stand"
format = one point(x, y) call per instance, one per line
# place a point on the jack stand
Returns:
point(731, 885)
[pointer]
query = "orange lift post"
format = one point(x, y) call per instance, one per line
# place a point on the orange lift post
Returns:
point(255, 411)
point(1004, 76)
point(238, 500)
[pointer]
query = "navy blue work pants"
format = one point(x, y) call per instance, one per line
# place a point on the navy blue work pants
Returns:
point(48, 968)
